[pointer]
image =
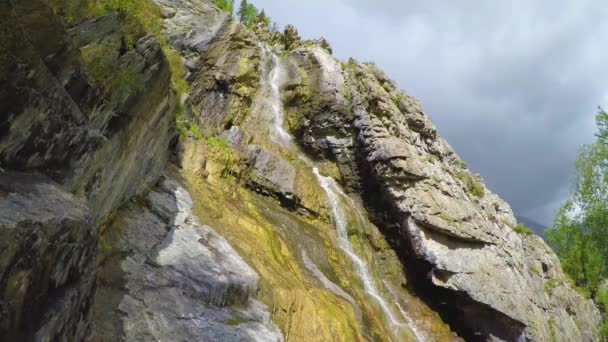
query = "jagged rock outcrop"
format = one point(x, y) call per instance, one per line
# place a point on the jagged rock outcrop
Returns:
point(93, 246)
point(452, 228)
point(47, 248)
point(82, 145)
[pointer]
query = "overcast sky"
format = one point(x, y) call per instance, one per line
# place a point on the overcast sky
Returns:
point(512, 85)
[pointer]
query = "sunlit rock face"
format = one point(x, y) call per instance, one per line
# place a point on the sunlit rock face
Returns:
point(168, 277)
point(455, 234)
point(277, 194)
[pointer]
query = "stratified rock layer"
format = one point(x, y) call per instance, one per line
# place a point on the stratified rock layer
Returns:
point(455, 235)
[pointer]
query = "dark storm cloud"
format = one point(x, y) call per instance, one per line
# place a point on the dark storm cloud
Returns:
point(512, 85)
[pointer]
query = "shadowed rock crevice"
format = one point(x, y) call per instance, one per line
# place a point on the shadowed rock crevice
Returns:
point(468, 318)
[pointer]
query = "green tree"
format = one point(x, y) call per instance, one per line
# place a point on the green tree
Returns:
point(247, 13)
point(580, 228)
point(263, 18)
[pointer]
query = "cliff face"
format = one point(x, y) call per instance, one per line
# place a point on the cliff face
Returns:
point(283, 195)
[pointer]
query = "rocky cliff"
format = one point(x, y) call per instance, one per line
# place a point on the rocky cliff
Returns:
point(168, 173)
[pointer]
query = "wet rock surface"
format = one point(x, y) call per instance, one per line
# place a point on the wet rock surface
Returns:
point(164, 276)
point(83, 218)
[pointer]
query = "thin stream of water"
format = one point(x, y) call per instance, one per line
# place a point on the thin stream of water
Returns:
point(331, 188)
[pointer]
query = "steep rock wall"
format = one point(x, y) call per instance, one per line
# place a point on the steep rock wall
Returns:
point(79, 150)
point(75, 145)
point(454, 235)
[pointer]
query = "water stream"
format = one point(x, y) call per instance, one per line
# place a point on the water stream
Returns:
point(333, 191)
point(277, 133)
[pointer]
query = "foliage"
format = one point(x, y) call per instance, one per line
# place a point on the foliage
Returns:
point(263, 18)
point(522, 229)
point(471, 184)
point(225, 5)
point(549, 286)
point(602, 299)
point(249, 15)
point(102, 68)
point(580, 228)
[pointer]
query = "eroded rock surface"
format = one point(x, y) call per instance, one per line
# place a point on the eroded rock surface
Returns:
point(74, 147)
point(452, 229)
point(164, 276)
point(47, 247)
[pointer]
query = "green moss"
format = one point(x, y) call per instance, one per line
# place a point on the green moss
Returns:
point(102, 69)
point(535, 270)
point(104, 245)
point(522, 229)
point(234, 321)
point(553, 329)
point(227, 159)
point(137, 18)
point(397, 99)
point(447, 218)
point(176, 63)
point(550, 285)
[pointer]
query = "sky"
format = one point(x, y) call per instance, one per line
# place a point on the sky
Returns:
point(513, 86)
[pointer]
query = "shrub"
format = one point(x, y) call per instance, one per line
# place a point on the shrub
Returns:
point(471, 184)
point(522, 229)
point(100, 65)
point(225, 5)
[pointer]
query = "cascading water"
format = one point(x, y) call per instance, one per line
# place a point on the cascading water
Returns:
point(333, 195)
point(273, 82)
point(331, 188)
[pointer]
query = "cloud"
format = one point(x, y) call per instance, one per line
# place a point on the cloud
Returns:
point(513, 86)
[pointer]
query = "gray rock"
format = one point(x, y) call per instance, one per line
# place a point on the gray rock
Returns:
point(271, 173)
point(460, 233)
point(180, 280)
point(97, 143)
point(47, 249)
point(191, 25)
point(233, 136)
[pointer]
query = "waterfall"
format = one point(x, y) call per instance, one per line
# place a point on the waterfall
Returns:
point(333, 196)
point(273, 82)
point(331, 188)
